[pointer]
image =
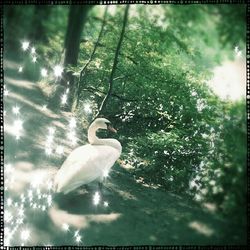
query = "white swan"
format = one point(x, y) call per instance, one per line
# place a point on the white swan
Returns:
point(89, 162)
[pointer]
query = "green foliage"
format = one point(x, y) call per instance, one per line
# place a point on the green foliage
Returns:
point(231, 34)
point(171, 126)
point(175, 132)
point(223, 176)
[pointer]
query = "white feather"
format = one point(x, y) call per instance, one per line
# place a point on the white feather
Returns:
point(88, 163)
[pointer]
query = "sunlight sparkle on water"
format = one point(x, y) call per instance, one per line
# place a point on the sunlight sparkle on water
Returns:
point(37, 180)
point(9, 202)
point(51, 130)
point(49, 200)
point(7, 216)
point(22, 198)
point(48, 151)
point(74, 140)
point(49, 141)
point(34, 59)
point(96, 198)
point(33, 50)
point(17, 127)
point(58, 70)
point(72, 122)
point(64, 99)
point(106, 204)
point(25, 234)
point(6, 92)
point(76, 233)
point(44, 107)
point(21, 212)
point(8, 168)
point(72, 137)
point(20, 69)
point(65, 227)
point(15, 110)
point(59, 150)
point(30, 193)
point(49, 185)
point(25, 45)
point(78, 238)
point(87, 108)
point(50, 138)
point(44, 72)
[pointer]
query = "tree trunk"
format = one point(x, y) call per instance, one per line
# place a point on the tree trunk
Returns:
point(76, 20)
point(111, 77)
point(83, 71)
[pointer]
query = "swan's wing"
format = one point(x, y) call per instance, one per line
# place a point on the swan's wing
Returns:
point(80, 154)
point(104, 157)
point(85, 164)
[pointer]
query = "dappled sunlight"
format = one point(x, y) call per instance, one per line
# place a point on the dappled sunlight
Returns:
point(201, 228)
point(59, 124)
point(15, 129)
point(24, 175)
point(7, 64)
point(68, 180)
point(60, 217)
point(23, 130)
point(210, 207)
point(125, 195)
point(37, 107)
point(19, 83)
point(126, 165)
point(24, 166)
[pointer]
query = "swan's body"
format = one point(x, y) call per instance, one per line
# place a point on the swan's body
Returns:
point(89, 162)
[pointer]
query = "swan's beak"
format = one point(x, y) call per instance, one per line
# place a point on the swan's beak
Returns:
point(110, 128)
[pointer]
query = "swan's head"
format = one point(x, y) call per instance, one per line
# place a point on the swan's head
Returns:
point(102, 123)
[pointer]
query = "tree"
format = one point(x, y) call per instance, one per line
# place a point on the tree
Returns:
point(76, 20)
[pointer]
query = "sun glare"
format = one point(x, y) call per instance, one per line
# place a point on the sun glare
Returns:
point(229, 79)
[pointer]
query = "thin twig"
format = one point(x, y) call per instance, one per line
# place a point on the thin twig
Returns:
point(94, 90)
point(111, 78)
point(83, 71)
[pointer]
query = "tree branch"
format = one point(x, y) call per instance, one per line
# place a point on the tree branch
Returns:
point(119, 77)
point(94, 90)
point(83, 71)
point(111, 78)
point(95, 47)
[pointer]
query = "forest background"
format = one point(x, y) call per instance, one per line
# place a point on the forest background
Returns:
point(148, 69)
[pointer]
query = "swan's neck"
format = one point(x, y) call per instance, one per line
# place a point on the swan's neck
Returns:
point(94, 140)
